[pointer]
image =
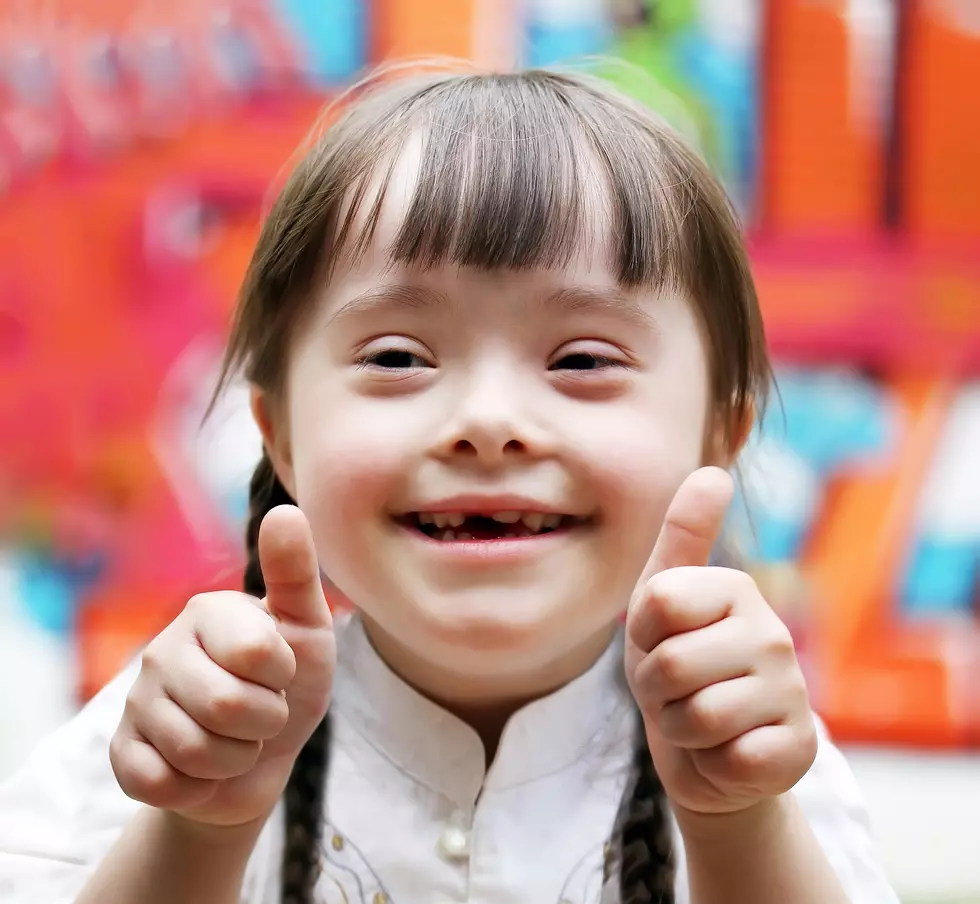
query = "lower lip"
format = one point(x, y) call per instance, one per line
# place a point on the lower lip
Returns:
point(494, 551)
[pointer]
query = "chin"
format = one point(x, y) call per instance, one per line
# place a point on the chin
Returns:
point(497, 621)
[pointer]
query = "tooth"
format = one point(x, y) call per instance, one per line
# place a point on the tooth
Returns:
point(455, 518)
point(440, 519)
point(507, 517)
point(426, 518)
point(463, 535)
point(447, 536)
point(533, 520)
point(551, 521)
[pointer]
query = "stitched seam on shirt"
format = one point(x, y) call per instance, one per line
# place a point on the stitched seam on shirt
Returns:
point(604, 733)
point(387, 757)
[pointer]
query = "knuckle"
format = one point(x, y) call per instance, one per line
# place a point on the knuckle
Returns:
point(704, 716)
point(118, 756)
point(200, 601)
point(197, 604)
point(191, 751)
point(667, 586)
point(778, 641)
point(277, 714)
point(135, 781)
point(798, 691)
point(154, 657)
point(228, 705)
point(250, 752)
point(668, 665)
point(748, 760)
point(260, 647)
point(809, 746)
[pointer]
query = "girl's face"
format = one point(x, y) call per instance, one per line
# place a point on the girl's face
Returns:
point(485, 458)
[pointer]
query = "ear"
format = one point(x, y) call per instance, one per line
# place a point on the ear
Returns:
point(275, 436)
point(722, 447)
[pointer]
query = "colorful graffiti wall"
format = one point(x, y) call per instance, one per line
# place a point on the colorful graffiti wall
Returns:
point(138, 146)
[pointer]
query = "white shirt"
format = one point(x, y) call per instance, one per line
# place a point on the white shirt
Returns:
point(402, 821)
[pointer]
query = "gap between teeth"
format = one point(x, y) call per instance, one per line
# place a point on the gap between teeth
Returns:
point(534, 521)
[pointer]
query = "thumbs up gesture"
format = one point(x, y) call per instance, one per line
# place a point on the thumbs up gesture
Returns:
point(229, 693)
point(712, 667)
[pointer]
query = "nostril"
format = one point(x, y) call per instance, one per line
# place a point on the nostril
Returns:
point(486, 444)
point(466, 447)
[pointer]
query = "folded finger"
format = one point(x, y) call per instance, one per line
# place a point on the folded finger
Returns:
point(685, 663)
point(720, 713)
point(222, 703)
point(192, 750)
point(144, 775)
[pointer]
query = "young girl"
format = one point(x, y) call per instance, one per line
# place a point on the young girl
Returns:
point(504, 345)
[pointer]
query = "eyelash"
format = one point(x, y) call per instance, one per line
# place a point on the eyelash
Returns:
point(374, 359)
point(597, 362)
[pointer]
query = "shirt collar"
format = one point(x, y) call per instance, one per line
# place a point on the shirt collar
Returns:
point(420, 738)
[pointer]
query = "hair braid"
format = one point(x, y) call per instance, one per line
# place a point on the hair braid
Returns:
point(646, 846)
point(305, 788)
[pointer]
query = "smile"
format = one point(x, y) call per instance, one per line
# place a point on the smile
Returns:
point(456, 527)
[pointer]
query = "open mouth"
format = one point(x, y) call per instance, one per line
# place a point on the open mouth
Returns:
point(450, 527)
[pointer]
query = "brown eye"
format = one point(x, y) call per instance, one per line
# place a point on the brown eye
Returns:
point(584, 361)
point(394, 359)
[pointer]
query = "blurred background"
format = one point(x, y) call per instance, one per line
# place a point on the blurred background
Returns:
point(138, 145)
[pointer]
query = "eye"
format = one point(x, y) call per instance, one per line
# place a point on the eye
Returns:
point(393, 359)
point(584, 361)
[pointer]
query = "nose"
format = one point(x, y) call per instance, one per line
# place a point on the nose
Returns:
point(491, 422)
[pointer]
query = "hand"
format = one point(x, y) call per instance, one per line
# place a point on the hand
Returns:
point(712, 667)
point(230, 692)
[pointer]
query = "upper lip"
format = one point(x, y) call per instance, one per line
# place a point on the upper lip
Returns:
point(488, 505)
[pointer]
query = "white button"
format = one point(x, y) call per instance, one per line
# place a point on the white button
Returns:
point(454, 843)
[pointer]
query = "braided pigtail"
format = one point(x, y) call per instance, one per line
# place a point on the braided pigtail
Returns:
point(645, 843)
point(265, 492)
point(305, 789)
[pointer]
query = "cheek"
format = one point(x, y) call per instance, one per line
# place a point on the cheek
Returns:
point(637, 461)
point(348, 464)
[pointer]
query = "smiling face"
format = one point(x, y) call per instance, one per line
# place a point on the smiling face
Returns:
point(486, 458)
point(482, 369)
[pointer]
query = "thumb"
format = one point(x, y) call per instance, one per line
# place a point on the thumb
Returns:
point(289, 565)
point(693, 522)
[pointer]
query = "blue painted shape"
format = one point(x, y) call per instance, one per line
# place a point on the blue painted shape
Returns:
point(332, 35)
point(725, 79)
point(780, 540)
point(828, 421)
point(942, 578)
point(552, 42)
point(830, 418)
point(47, 594)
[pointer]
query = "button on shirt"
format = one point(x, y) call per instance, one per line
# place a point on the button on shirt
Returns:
point(411, 813)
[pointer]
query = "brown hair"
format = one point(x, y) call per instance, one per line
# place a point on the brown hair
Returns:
point(506, 163)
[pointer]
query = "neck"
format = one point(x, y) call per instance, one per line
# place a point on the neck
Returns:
point(487, 700)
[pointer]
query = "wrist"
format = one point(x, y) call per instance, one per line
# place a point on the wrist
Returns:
point(185, 829)
point(752, 824)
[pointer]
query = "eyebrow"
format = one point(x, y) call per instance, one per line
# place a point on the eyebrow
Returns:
point(390, 298)
point(568, 300)
point(610, 302)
